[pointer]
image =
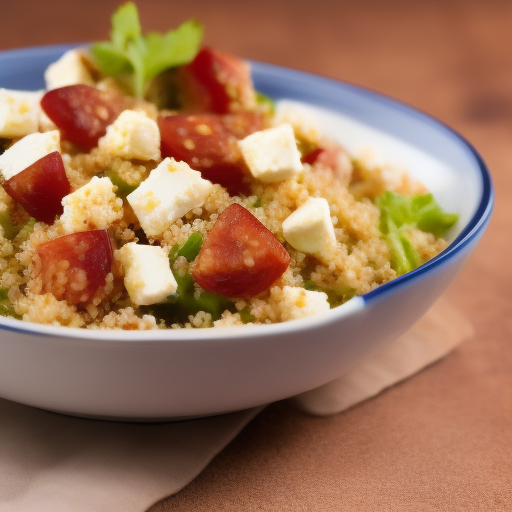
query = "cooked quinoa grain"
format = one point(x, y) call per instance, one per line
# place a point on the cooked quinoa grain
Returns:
point(228, 253)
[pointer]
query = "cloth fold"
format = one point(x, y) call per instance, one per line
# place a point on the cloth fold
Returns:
point(50, 462)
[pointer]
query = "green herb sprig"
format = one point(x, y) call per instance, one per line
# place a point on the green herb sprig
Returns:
point(133, 57)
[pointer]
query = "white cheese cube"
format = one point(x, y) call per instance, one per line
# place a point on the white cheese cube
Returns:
point(19, 113)
point(70, 69)
point(171, 191)
point(132, 135)
point(294, 303)
point(148, 275)
point(28, 150)
point(272, 154)
point(309, 229)
point(93, 206)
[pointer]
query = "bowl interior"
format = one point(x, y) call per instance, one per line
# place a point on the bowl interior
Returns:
point(361, 120)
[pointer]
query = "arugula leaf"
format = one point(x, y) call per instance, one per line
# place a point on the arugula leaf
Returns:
point(141, 58)
point(399, 213)
point(6, 308)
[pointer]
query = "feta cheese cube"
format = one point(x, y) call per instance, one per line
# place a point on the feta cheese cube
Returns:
point(294, 303)
point(70, 69)
point(309, 229)
point(19, 113)
point(272, 154)
point(132, 135)
point(171, 191)
point(93, 206)
point(148, 275)
point(28, 150)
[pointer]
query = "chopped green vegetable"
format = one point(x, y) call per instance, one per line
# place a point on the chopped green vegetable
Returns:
point(399, 213)
point(246, 316)
point(190, 249)
point(266, 101)
point(184, 302)
point(123, 187)
point(142, 58)
point(6, 308)
point(25, 231)
point(335, 297)
point(6, 223)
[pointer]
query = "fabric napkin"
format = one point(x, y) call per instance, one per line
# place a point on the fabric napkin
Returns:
point(51, 462)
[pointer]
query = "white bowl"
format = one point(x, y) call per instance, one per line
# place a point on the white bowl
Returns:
point(187, 373)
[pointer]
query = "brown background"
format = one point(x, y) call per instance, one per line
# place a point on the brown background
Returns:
point(442, 440)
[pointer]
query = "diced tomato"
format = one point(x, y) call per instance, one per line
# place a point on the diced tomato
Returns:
point(207, 142)
point(240, 257)
point(82, 113)
point(329, 156)
point(74, 267)
point(216, 81)
point(40, 188)
point(311, 157)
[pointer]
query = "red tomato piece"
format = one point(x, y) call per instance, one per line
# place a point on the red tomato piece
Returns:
point(329, 156)
point(82, 113)
point(207, 142)
point(75, 267)
point(40, 188)
point(240, 257)
point(311, 157)
point(216, 81)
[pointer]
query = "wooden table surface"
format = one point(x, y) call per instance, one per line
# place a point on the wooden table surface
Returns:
point(442, 440)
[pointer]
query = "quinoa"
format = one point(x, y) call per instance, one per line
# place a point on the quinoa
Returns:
point(358, 260)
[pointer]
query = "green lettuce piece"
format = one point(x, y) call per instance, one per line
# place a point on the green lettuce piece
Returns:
point(129, 53)
point(398, 214)
point(6, 308)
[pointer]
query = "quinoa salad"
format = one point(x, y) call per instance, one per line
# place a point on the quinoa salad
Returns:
point(164, 191)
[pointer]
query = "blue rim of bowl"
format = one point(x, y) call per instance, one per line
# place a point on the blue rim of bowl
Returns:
point(472, 229)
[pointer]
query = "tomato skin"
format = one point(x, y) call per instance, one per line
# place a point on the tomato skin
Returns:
point(207, 142)
point(90, 257)
point(311, 157)
point(217, 82)
point(82, 113)
point(240, 257)
point(40, 188)
point(328, 156)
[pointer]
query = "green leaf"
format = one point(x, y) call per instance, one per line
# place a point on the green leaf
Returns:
point(6, 307)
point(144, 57)
point(125, 25)
point(399, 213)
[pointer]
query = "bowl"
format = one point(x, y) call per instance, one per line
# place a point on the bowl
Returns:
point(173, 374)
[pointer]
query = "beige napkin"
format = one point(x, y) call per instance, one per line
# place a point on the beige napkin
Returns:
point(50, 462)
